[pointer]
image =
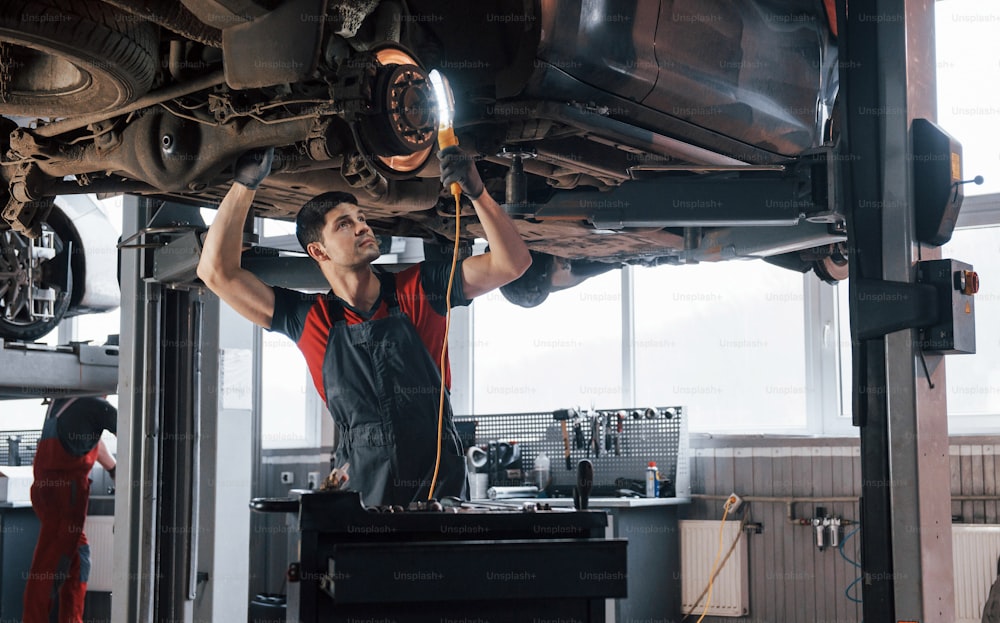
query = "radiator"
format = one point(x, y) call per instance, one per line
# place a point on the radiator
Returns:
point(100, 536)
point(699, 547)
point(975, 550)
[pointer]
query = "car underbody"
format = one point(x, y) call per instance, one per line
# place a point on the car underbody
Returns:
point(648, 132)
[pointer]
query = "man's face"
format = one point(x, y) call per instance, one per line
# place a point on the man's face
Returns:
point(348, 241)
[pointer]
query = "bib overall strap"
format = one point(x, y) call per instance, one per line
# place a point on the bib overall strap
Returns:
point(334, 311)
point(388, 283)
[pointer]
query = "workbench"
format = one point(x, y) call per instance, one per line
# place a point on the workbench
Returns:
point(497, 562)
point(653, 553)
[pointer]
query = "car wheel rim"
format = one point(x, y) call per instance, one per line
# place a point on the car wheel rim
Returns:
point(23, 298)
point(42, 74)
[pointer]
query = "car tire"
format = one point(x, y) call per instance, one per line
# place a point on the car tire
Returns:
point(21, 324)
point(532, 287)
point(73, 57)
point(829, 263)
point(834, 267)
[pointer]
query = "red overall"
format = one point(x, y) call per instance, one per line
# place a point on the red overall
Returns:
point(59, 494)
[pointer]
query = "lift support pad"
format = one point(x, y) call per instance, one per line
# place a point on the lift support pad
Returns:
point(29, 370)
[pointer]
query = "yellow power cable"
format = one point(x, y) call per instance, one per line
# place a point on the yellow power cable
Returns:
point(444, 344)
point(711, 575)
point(446, 138)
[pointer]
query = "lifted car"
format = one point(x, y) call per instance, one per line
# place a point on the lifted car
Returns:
point(643, 132)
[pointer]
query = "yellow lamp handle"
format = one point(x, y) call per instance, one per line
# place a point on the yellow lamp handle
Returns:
point(447, 138)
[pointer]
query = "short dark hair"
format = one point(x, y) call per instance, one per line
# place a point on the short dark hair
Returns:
point(312, 216)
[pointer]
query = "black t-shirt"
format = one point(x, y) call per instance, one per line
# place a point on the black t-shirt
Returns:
point(80, 425)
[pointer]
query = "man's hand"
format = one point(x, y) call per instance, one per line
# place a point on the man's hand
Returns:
point(253, 166)
point(338, 477)
point(457, 166)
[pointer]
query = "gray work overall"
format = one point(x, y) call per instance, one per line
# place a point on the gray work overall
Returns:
point(382, 388)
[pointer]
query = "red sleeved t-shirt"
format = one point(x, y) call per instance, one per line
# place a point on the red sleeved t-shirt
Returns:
point(420, 290)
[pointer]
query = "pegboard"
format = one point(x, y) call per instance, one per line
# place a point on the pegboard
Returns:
point(26, 447)
point(662, 438)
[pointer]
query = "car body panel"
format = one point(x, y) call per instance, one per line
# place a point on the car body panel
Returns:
point(96, 285)
point(753, 70)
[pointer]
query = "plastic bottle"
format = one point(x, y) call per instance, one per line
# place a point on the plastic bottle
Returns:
point(541, 472)
point(652, 481)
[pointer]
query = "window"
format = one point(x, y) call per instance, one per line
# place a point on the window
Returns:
point(726, 340)
point(288, 419)
point(565, 352)
point(967, 50)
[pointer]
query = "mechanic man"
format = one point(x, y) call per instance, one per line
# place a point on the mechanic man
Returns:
point(372, 344)
point(69, 445)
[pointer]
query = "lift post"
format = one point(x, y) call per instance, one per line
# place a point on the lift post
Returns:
point(185, 447)
point(888, 80)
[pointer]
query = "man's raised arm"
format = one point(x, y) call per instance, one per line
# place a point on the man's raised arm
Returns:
point(219, 266)
point(508, 256)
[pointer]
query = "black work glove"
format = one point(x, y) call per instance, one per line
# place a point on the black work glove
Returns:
point(458, 166)
point(111, 472)
point(253, 166)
